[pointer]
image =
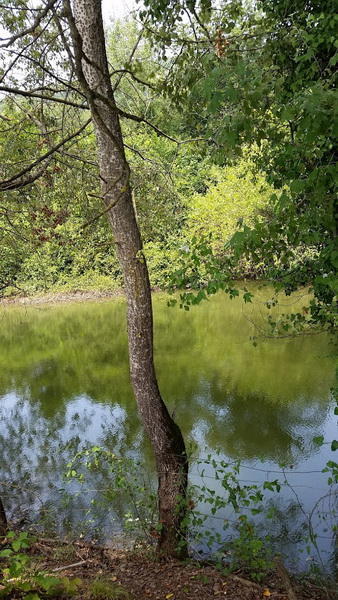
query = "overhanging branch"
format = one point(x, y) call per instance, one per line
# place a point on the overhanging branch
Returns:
point(128, 72)
point(30, 94)
point(32, 28)
point(19, 180)
point(159, 132)
point(43, 67)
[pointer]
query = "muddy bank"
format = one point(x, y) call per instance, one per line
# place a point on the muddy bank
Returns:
point(60, 297)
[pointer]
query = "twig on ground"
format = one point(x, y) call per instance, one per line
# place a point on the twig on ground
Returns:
point(77, 564)
point(245, 581)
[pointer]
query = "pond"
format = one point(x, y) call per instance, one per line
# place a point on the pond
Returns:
point(64, 384)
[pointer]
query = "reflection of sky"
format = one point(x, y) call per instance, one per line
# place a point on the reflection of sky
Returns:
point(35, 455)
point(83, 417)
point(95, 415)
point(68, 368)
point(302, 482)
point(299, 494)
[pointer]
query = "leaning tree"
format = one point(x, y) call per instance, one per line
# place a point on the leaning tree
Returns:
point(55, 55)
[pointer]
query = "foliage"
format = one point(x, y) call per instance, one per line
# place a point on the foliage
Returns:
point(48, 241)
point(101, 589)
point(47, 248)
point(236, 77)
point(235, 196)
point(280, 94)
point(43, 235)
point(19, 578)
point(122, 478)
point(266, 73)
point(240, 544)
point(249, 552)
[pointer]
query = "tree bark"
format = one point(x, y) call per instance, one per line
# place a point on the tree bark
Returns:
point(3, 520)
point(165, 436)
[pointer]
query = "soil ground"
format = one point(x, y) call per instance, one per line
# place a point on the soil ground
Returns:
point(108, 574)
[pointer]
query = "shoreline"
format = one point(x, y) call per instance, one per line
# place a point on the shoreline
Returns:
point(138, 573)
point(61, 297)
point(67, 297)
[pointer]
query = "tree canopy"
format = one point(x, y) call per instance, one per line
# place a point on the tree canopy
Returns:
point(252, 83)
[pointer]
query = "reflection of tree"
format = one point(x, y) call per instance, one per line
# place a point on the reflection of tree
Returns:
point(249, 426)
point(292, 526)
point(52, 360)
point(67, 374)
point(35, 451)
point(30, 458)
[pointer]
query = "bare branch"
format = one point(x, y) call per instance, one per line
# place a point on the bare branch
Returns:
point(139, 153)
point(131, 56)
point(209, 41)
point(25, 8)
point(32, 94)
point(177, 38)
point(19, 183)
point(138, 119)
point(32, 28)
point(159, 132)
point(127, 72)
point(52, 74)
point(79, 158)
point(17, 180)
point(18, 55)
point(201, 24)
point(64, 40)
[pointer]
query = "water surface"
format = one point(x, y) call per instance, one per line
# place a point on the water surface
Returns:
point(64, 382)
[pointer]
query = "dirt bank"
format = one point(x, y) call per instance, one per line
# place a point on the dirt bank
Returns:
point(104, 573)
point(60, 297)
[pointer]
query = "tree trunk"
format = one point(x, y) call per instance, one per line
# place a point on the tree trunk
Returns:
point(3, 520)
point(166, 438)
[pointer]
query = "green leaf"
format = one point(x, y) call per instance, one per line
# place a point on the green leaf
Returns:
point(247, 297)
point(6, 553)
point(16, 545)
point(319, 440)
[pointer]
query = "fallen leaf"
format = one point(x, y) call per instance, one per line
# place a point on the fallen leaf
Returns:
point(114, 578)
point(168, 596)
point(266, 593)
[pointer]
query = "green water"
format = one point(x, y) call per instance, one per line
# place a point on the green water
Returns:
point(64, 381)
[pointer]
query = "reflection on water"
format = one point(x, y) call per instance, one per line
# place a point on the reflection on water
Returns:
point(64, 382)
